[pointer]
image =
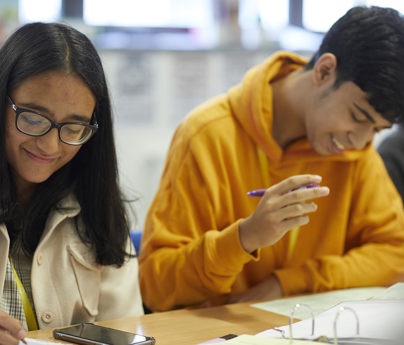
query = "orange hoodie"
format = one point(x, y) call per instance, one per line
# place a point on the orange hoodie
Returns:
point(191, 251)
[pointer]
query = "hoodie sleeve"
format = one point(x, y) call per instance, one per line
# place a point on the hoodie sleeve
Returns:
point(185, 259)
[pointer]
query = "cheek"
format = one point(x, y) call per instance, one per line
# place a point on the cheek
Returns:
point(317, 123)
point(319, 128)
point(69, 152)
point(328, 118)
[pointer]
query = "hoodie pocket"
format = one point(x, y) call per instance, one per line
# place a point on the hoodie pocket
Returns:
point(88, 279)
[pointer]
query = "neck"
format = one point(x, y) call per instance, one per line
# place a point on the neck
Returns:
point(289, 98)
point(24, 191)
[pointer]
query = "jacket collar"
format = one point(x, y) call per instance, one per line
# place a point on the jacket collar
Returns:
point(68, 207)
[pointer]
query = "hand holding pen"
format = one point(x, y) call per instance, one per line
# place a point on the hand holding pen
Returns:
point(11, 331)
point(261, 192)
point(281, 208)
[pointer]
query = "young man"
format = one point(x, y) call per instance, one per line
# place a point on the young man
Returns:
point(288, 124)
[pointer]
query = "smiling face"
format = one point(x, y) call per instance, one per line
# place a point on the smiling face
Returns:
point(59, 96)
point(340, 118)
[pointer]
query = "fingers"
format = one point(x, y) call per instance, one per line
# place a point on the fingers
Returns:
point(7, 339)
point(296, 210)
point(302, 195)
point(293, 190)
point(283, 207)
point(294, 182)
point(11, 331)
point(292, 204)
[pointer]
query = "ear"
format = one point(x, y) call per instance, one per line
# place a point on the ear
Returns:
point(325, 69)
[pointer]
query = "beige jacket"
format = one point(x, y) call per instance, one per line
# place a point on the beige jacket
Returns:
point(68, 287)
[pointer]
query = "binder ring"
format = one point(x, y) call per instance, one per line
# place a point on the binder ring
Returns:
point(297, 306)
point(340, 310)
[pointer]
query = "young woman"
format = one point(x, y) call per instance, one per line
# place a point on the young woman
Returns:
point(65, 251)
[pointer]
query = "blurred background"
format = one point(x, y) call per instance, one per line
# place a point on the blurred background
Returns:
point(164, 57)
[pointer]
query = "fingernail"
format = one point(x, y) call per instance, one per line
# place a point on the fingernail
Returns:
point(317, 178)
point(21, 335)
point(324, 190)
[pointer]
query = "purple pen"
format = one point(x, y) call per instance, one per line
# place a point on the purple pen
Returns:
point(310, 185)
point(256, 192)
point(260, 192)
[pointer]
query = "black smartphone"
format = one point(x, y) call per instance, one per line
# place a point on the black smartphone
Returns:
point(90, 334)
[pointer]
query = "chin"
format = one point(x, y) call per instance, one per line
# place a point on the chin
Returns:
point(36, 179)
point(324, 148)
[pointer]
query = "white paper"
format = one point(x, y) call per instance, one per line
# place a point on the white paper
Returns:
point(31, 341)
point(257, 340)
point(395, 291)
point(320, 302)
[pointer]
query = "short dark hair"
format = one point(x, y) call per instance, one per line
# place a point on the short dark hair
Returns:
point(92, 175)
point(368, 43)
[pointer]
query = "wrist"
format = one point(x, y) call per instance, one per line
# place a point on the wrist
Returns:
point(245, 237)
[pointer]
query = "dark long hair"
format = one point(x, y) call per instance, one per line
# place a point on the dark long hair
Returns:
point(92, 175)
point(368, 43)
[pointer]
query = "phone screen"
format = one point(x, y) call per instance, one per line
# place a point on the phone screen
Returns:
point(87, 333)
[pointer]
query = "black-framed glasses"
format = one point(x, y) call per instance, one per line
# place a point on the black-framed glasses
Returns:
point(34, 124)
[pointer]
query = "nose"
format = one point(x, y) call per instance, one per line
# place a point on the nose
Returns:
point(49, 143)
point(361, 137)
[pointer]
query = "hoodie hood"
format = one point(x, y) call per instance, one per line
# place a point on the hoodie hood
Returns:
point(251, 103)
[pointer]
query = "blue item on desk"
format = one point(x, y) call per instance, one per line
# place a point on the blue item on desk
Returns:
point(136, 237)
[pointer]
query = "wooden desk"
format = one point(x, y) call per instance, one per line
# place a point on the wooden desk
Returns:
point(192, 326)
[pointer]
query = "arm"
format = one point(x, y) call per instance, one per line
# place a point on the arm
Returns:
point(184, 260)
point(356, 242)
point(190, 248)
point(374, 238)
point(195, 242)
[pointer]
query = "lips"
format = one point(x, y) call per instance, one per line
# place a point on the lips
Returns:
point(40, 159)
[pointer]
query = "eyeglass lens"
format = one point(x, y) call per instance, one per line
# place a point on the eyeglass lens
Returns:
point(37, 125)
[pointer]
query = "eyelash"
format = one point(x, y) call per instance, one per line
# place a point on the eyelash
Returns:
point(357, 120)
point(376, 130)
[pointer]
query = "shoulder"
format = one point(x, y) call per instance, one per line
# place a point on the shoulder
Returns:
point(207, 122)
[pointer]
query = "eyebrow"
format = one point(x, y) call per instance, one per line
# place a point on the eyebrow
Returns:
point(364, 112)
point(45, 112)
